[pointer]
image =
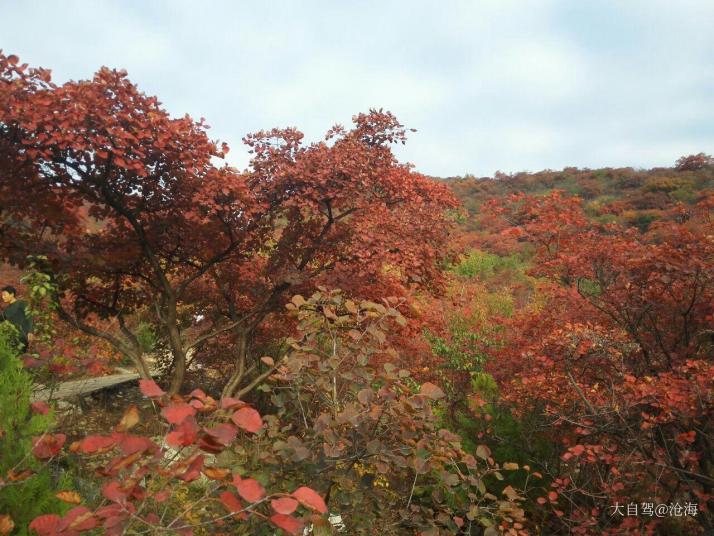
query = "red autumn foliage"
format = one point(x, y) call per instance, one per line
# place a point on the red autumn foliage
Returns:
point(284, 505)
point(176, 413)
point(249, 489)
point(76, 521)
point(309, 498)
point(381, 424)
point(231, 502)
point(48, 445)
point(112, 186)
point(694, 162)
point(150, 389)
point(138, 223)
point(40, 407)
point(248, 419)
point(287, 523)
point(95, 444)
point(619, 360)
point(130, 463)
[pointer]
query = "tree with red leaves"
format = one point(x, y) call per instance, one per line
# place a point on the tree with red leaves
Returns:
point(693, 162)
point(619, 362)
point(135, 217)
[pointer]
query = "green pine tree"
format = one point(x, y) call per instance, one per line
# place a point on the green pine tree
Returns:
point(27, 499)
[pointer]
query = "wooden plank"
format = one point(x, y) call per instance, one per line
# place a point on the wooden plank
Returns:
point(87, 386)
point(82, 387)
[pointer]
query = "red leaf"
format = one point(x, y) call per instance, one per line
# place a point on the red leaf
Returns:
point(40, 407)
point(112, 491)
point(184, 434)
point(193, 471)
point(210, 444)
point(79, 518)
point(47, 446)
point(287, 523)
point(150, 389)
point(113, 525)
point(198, 393)
point(578, 450)
point(176, 413)
point(92, 444)
point(230, 501)
point(553, 496)
point(225, 433)
point(161, 496)
point(310, 498)
point(248, 419)
point(31, 362)
point(129, 444)
point(46, 525)
point(284, 505)
point(249, 489)
point(228, 403)
point(110, 510)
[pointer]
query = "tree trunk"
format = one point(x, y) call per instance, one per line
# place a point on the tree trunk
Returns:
point(239, 366)
point(141, 367)
point(179, 362)
point(177, 349)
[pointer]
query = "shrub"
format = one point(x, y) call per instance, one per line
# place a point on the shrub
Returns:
point(27, 485)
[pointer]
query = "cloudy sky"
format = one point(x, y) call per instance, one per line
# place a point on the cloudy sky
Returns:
point(489, 85)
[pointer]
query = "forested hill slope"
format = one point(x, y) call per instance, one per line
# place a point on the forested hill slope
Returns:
point(631, 196)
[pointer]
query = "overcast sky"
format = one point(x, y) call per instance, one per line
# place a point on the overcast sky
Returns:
point(489, 85)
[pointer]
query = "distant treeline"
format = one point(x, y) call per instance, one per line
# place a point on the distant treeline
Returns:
point(631, 196)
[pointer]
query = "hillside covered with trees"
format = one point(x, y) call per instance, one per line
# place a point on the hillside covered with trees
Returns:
point(329, 342)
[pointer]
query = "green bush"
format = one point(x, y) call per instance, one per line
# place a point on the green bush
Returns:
point(485, 265)
point(147, 336)
point(26, 499)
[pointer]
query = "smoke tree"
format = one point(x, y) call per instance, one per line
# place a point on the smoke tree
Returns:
point(137, 219)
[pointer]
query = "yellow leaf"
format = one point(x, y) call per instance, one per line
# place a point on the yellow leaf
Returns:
point(129, 420)
point(12, 476)
point(483, 452)
point(510, 466)
point(6, 524)
point(216, 473)
point(511, 493)
point(71, 497)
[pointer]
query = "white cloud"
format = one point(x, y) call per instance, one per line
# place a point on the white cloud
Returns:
point(542, 70)
point(498, 84)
